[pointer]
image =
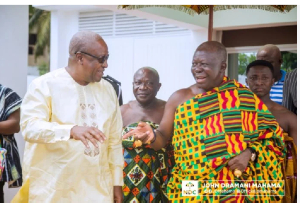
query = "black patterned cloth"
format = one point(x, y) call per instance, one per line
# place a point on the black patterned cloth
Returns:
point(10, 101)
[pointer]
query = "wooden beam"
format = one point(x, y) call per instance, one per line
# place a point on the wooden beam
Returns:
point(210, 22)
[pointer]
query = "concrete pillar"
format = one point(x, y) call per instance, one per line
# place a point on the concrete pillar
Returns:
point(233, 66)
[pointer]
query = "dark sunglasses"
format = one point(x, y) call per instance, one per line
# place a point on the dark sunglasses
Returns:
point(100, 59)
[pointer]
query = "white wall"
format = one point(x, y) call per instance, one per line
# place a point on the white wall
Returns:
point(64, 24)
point(14, 56)
point(170, 55)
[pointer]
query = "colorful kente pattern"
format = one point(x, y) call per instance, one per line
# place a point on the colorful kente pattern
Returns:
point(146, 171)
point(214, 127)
point(290, 170)
point(2, 157)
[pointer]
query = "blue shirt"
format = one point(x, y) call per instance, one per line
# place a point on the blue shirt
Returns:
point(276, 91)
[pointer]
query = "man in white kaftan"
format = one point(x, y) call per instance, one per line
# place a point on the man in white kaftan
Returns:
point(62, 113)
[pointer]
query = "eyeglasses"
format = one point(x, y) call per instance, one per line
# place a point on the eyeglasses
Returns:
point(100, 59)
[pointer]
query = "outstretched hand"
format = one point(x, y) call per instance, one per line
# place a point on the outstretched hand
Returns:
point(142, 132)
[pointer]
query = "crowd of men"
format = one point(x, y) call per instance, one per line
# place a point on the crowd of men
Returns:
point(82, 146)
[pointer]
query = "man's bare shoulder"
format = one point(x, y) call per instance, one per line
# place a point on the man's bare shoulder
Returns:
point(279, 108)
point(286, 119)
point(282, 111)
point(161, 102)
point(180, 96)
point(128, 106)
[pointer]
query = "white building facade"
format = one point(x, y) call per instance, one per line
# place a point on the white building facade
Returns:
point(164, 39)
point(133, 43)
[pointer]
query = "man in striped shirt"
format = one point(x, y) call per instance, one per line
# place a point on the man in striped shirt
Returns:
point(290, 91)
point(271, 53)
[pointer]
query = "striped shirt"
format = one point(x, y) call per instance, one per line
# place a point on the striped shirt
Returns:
point(10, 101)
point(290, 91)
point(276, 91)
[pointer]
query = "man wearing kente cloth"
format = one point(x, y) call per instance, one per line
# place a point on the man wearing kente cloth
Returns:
point(260, 78)
point(222, 133)
point(146, 172)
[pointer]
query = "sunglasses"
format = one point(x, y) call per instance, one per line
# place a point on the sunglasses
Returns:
point(100, 59)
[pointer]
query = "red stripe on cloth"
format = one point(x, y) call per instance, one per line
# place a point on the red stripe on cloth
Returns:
point(264, 135)
point(239, 142)
point(247, 121)
point(211, 148)
point(221, 174)
point(276, 151)
point(206, 128)
point(225, 100)
point(231, 143)
point(260, 105)
point(218, 123)
point(253, 120)
point(228, 177)
point(212, 125)
point(234, 99)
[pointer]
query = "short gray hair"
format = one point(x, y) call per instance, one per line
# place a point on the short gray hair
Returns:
point(81, 40)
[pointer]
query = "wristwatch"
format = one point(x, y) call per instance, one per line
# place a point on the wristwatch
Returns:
point(253, 154)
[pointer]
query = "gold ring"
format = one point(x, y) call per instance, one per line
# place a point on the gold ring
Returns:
point(237, 172)
point(138, 143)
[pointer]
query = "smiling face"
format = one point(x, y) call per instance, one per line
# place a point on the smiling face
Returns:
point(208, 69)
point(260, 80)
point(145, 86)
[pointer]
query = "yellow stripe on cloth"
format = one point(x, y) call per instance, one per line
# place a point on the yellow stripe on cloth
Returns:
point(23, 194)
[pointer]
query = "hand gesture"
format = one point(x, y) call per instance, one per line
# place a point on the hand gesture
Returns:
point(85, 134)
point(142, 132)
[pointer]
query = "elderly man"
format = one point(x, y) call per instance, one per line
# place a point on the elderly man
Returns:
point(260, 79)
point(222, 133)
point(71, 122)
point(146, 172)
point(271, 53)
